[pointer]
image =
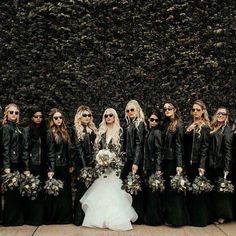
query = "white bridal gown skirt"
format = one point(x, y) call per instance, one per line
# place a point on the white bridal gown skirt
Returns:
point(106, 205)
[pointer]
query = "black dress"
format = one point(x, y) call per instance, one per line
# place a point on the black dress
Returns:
point(154, 213)
point(58, 209)
point(233, 172)
point(220, 155)
point(84, 157)
point(34, 160)
point(134, 147)
point(11, 153)
point(196, 155)
point(176, 211)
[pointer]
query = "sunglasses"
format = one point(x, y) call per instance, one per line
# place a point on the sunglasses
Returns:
point(108, 115)
point(12, 112)
point(39, 117)
point(168, 109)
point(86, 115)
point(57, 117)
point(152, 119)
point(221, 113)
point(197, 109)
point(132, 110)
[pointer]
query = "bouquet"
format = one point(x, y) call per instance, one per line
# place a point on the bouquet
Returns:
point(53, 186)
point(132, 184)
point(224, 186)
point(106, 161)
point(201, 184)
point(30, 186)
point(156, 182)
point(180, 183)
point(87, 175)
point(10, 181)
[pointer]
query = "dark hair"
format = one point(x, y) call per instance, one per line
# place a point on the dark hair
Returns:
point(157, 113)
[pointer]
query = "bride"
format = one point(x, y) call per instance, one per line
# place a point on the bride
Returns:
point(105, 204)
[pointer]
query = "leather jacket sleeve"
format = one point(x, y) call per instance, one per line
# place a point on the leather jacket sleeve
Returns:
point(25, 152)
point(179, 145)
point(228, 139)
point(205, 135)
point(139, 142)
point(6, 142)
point(51, 152)
point(158, 149)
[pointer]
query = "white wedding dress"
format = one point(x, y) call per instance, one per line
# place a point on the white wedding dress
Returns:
point(106, 205)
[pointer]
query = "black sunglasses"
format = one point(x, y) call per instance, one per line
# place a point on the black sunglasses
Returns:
point(12, 112)
point(110, 115)
point(132, 110)
point(168, 109)
point(85, 115)
point(197, 109)
point(221, 113)
point(57, 117)
point(153, 119)
point(40, 117)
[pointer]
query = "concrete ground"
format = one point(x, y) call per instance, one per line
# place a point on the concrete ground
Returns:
point(139, 230)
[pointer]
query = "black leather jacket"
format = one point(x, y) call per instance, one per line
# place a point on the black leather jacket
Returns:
point(58, 153)
point(196, 146)
point(153, 150)
point(173, 145)
point(34, 149)
point(220, 148)
point(84, 150)
point(135, 142)
point(11, 144)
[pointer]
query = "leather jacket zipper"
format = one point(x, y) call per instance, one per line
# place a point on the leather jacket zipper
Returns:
point(191, 161)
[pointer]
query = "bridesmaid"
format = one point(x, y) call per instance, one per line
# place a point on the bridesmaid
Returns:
point(0, 166)
point(153, 157)
point(196, 143)
point(11, 154)
point(83, 141)
point(220, 155)
point(59, 208)
point(34, 160)
point(176, 212)
point(134, 147)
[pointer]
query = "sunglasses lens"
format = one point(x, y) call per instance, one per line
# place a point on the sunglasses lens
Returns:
point(85, 115)
point(14, 112)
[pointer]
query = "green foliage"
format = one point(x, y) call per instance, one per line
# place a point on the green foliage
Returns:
point(104, 52)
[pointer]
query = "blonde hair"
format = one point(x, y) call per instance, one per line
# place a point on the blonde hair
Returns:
point(116, 129)
point(197, 126)
point(78, 125)
point(140, 115)
point(215, 125)
point(55, 130)
point(7, 108)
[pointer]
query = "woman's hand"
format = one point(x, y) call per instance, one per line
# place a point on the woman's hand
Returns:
point(201, 171)
point(71, 169)
point(27, 173)
point(134, 168)
point(179, 170)
point(7, 170)
point(158, 172)
point(50, 174)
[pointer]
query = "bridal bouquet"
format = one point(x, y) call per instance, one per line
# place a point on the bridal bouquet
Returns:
point(53, 186)
point(156, 182)
point(132, 184)
point(87, 175)
point(180, 183)
point(224, 186)
point(10, 181)
point(201, 184)
point(30, 186)
point(106, 161)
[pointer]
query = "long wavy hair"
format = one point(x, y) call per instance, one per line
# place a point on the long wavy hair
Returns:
point(140, 115)
point(215, 125)
point(58, 131)
point(78, 124)
point(197, 126)
point(116, 129)
point(7, 108)
point(171, 124)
